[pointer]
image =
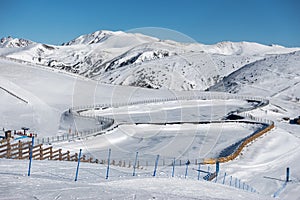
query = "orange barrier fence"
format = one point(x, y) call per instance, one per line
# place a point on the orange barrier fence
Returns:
point(240, 148)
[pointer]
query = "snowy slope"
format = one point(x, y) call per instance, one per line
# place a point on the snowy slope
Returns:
point(281, 72)
point(56, 181)
point(138, 60)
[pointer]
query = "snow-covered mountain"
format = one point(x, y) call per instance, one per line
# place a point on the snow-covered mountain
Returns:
point(138, 60)
point(92, 38)
point(14, 42)
point(280, 71)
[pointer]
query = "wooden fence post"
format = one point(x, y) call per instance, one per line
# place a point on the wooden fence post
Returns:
point(51, 155)
point(8, 149)
point(59, 154)
point(76, 157)
point(68, 155)
point(20, 149)
point(41, 153)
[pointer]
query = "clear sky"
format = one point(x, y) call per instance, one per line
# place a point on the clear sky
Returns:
point(206, 21)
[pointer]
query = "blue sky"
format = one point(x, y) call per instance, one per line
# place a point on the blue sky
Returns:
point(206, 21)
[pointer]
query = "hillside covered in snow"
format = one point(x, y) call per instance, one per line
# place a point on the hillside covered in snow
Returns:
point(138, 60)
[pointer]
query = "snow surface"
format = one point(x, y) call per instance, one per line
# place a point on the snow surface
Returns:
point(183, 142)
point(56, 181)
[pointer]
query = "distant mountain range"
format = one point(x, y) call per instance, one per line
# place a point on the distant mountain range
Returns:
point(139, 60)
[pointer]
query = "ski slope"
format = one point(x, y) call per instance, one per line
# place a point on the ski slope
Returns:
point(56, 181)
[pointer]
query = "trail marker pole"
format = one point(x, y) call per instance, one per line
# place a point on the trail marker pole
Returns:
point(173, 168)
point(155, 167)
point(287, 174)
point(134, 166)
point(216, 179)
point(217, 167)
point(186, 168)
point(108, 160)
point(30, 155)
point(224, 178)
point(198, 171)
point(235, 183)
point(77, 169)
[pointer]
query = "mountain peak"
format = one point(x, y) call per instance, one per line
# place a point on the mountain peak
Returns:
point(11, 42)
point(92, 38)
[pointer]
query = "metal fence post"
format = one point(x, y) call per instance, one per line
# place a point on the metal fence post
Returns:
point(134, 166)
point(199, 171)
point(217, 167)
point(235, 183)
point(224, 178)
point(78, 162)
point(30, 155)
point(156, 163)
point(186, 168)
point(108, 160)
point(173, 168)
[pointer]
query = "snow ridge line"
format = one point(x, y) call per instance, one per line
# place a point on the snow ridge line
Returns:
point(14, 95)
point(44, 67)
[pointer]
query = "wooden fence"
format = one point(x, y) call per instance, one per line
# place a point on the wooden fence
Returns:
point(21, 150)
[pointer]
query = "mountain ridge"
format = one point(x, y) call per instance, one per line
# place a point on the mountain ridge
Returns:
point(139, 60)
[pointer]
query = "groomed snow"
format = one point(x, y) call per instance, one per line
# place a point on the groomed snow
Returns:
point(186, 141)
point(55, 180)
